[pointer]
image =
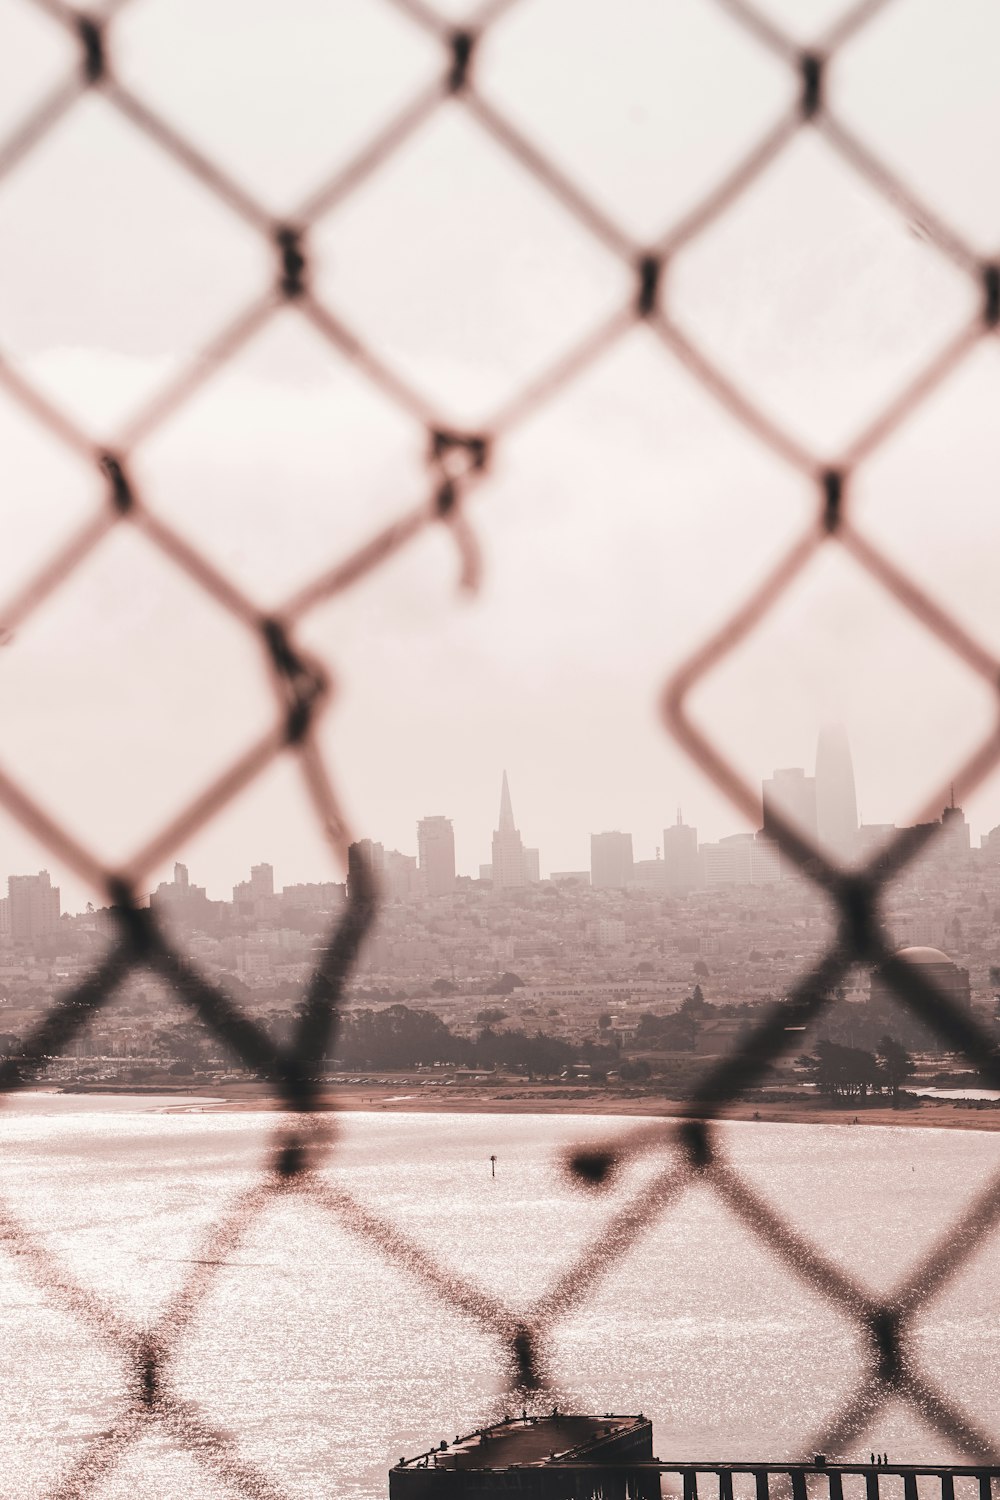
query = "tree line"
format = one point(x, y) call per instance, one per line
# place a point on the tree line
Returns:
point(852, 1074)
point(401, 1037)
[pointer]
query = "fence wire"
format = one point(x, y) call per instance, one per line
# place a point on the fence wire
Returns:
point(456, 461)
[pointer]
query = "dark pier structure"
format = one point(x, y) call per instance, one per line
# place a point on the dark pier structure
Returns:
point(538, 1458)
point(561, 1457)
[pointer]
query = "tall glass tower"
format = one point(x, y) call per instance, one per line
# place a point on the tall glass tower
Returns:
point(836, 802)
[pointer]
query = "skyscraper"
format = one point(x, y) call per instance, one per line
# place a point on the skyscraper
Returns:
point(508, 851)
point(610, 860)
point(33, 906)
point(680, 856)
point(260, 886)
point(836, 803)
point(791, 796)
point(364, 859)
point(436, 853)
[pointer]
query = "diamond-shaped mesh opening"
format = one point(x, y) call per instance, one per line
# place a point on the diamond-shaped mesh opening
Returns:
point(497, 309)
point(949, 450)
point(820, 353)
point(119, 297)
point(305, 91)
point(696, 1284)
point(644, 110)
point(132, 594)
point(943, 98)
point(324, 460)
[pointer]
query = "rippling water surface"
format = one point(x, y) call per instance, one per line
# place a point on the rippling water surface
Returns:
point(325, 1361)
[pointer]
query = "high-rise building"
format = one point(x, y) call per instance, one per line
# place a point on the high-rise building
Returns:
point(836, 801)
point(400, 877)
point(178, 898)
point(791, 796)
point(990, 845)
point(365, 853)
point(508, 862)
point(739, 859)
point(33, 906)
point(680, 856)
point(436, 854)
point(610, 860)
point(954, 840)
point(259, 887)
point(728, 862)
point(649, 874)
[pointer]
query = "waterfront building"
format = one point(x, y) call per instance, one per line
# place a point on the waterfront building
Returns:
point(948, 978)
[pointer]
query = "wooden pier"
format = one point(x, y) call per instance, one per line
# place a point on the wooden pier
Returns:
point(563, 1457)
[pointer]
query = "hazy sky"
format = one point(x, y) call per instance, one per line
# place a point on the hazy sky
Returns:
point(618, 525)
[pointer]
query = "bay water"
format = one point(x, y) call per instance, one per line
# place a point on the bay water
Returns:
point(323, 1355)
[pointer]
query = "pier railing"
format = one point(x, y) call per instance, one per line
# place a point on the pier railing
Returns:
point(821, 1478)
point(458, 462)
point(651, 1479)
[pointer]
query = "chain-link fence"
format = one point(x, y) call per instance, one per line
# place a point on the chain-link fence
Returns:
point(456, 461)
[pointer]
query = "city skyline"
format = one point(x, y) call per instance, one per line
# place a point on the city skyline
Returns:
point(819, 804)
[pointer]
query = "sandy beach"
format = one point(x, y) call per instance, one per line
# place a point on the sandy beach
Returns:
point(510, 1098)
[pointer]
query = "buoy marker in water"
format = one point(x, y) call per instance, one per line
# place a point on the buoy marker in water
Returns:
point(493, 1166)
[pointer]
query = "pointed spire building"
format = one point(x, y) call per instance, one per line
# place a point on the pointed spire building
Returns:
point(513, 865)
point(507, 824)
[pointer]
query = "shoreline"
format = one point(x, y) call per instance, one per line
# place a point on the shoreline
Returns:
point(932, 1114)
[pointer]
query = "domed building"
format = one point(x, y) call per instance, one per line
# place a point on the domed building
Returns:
point(946, 976)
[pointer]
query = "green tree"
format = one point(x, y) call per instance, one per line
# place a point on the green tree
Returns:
point(695, 1004)
point(491, 1016)
point(844, 1073)
point(897, 1065)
